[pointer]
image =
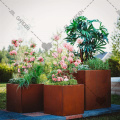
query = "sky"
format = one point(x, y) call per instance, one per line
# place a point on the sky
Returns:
point(46, 17)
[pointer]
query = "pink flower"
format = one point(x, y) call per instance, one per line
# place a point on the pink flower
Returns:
point(79, 61)
point(40, 59)
point(29, 66)
point(56, 37)
point(55, 63)
point(65, 45)
point(71, 48)
point(59, 71)
point(24, 67)
point(64, 66)
point(26, 59)
point(18, 70)
point(64, 57)
point(80, 41)
point(53, 77)
point(20, 41)
point(70, 59)
point(59, 50)
point(59, 79)
point(32, 59)
point(15, 64)
point(62, 62)
point(32, 53)
point(14, 41)
point(16, 45)
point(26, 53)
point(13, 52)
point(55, 55)
point(76, 63)
point(65, 76)
point(71, 54)
point(26, 71)
point(33, 45)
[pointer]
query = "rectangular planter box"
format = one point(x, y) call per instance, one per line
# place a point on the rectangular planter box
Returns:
point(97, 84)
point(64, 100)
point(23, 100)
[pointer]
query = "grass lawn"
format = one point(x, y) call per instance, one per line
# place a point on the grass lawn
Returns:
point(2, 96)
point(115, 99)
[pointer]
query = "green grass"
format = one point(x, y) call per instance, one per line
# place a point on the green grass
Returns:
point(2, 96)
point(115, 99)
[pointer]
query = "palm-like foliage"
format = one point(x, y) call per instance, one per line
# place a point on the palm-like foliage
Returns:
point(94, 39)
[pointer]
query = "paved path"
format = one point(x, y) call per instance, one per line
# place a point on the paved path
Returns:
point(5, 115)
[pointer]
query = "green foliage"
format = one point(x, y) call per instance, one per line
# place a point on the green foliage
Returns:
point(114, 66)
point(43, 78)
point(94, 39)
point(34, 76)
point(5, 73)
point(20, 81)
point(69, 82)
point(83, 67)
point(97, 64)
point(34, 73)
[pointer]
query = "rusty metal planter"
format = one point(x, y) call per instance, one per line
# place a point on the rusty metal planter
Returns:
point(64, 100)
point(97, 88)
point(23, 100)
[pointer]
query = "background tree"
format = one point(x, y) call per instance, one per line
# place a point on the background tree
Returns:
point(116, 39)
point(114, 61)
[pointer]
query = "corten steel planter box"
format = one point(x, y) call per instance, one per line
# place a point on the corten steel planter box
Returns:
point(97, 88)
point(23, 100)
point(64, 100)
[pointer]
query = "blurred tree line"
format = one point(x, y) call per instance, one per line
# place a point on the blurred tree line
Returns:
point(114, 61)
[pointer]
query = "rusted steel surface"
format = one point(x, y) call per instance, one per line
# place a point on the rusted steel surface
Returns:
point(13, 98)
point(80, 76)
point(23, 99)
point(64, 100)
point(97, 88)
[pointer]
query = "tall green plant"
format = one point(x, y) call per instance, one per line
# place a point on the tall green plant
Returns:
point(94, 39)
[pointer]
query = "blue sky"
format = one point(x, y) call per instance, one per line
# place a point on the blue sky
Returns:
point(48, 16)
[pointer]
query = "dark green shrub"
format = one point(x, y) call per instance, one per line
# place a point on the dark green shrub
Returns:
point(114, 67)
point(6, 73)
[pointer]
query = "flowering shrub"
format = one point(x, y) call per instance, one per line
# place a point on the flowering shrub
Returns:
point(63, 65)
point(24, 66)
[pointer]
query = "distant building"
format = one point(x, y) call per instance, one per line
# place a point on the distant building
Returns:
point(104, 56)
